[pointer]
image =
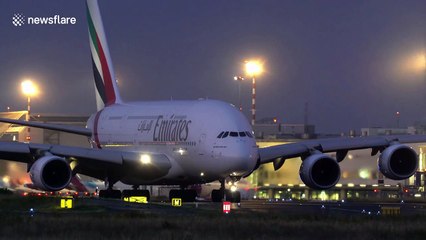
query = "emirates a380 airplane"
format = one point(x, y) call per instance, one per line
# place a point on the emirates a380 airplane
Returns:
point(182, 143)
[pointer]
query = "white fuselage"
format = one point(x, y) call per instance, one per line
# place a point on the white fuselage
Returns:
point(186, 132)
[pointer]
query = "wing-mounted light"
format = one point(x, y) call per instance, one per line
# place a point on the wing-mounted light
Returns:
point(145, 166)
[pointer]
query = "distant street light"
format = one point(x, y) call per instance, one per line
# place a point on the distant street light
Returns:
point(420, 62)
point(397, 114)
point(239, 79)
point(253, 69)
point(29, 89)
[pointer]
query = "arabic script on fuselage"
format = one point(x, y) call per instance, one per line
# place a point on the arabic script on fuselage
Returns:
point(164, 129)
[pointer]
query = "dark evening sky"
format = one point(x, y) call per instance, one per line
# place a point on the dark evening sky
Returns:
point(355, 62)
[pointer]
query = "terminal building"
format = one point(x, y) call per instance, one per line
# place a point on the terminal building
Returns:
point(360, 177)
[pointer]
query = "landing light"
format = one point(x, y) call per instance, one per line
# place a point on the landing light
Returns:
point(181, 151)
point(233, 188)
point(145, 159)
point(6, 179)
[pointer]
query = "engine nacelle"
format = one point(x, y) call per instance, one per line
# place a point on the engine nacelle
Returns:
point(320, 171)
point(398, 162)
point(50, 173)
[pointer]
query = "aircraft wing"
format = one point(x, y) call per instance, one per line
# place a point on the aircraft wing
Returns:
point(277, 154)
point(96, 163)
point(64, 128)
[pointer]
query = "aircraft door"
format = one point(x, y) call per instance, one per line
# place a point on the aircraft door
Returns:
point(202, 144)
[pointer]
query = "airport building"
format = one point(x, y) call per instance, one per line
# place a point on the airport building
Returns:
point(360, 177)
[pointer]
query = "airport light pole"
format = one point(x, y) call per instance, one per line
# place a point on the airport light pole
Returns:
point(29, 89)
point(239, 79)
point(397, 115)
point(253, 69)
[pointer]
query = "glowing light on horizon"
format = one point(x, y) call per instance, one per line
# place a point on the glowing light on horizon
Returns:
point(253, 68)
point(29, 88)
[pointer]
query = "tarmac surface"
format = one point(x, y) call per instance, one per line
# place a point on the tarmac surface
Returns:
point(34, 217)
point(266, 206)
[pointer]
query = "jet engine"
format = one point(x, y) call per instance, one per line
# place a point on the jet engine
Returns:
point(398, 162)
point(50, 173)
point(319, 171)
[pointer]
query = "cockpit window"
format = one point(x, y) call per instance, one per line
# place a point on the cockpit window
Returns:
point(220, 135)
point(224, 134)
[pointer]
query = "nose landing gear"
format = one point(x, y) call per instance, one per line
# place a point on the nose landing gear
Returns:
point(223, 194)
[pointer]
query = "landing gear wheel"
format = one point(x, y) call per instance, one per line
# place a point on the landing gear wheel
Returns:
point(136, 193)
point(186, 195)
point(217, 195)
point(114, 194)
point(234, 197)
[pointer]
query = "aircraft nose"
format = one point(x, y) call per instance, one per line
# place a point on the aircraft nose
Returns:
point(243, 156)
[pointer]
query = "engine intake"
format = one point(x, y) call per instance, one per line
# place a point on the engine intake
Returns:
point(320, 171)
point(51, 173)
point(398, 162)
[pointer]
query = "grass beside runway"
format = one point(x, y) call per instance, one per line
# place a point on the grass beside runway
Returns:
point(97, 219)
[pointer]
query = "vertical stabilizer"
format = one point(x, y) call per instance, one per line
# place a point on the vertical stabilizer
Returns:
point(106, 86)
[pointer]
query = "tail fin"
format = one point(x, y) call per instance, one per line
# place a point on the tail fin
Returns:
point(107, 90)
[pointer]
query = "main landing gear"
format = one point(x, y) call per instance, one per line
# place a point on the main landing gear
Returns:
point(135, 192)
point(109, 192)
point(225, 194)
point(117, 194)
point(187, 195)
